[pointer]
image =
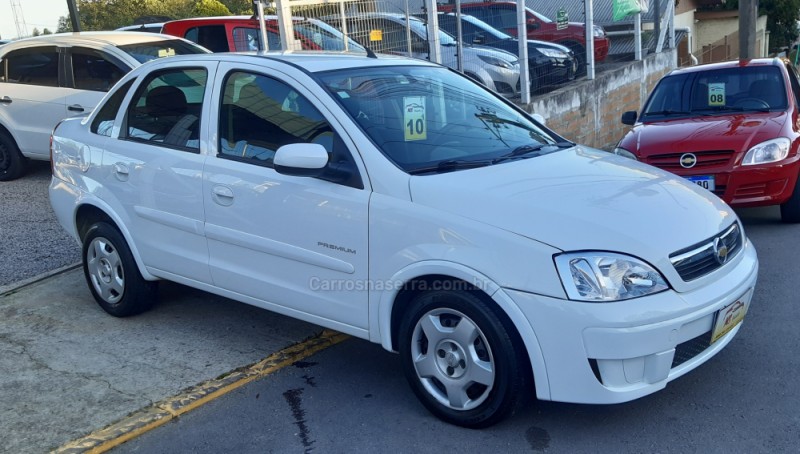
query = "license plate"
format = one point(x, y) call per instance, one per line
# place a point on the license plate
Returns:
point(729, 316)
point(704, 181)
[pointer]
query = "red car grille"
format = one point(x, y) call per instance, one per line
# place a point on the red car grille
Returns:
point(672, 161)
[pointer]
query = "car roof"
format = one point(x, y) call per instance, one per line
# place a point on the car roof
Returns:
point(228, 19)
point(311, 61)
point(728, 64)
point(115, 38)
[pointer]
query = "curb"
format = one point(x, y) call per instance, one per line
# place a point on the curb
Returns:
point(15, 286)
point(149, 418)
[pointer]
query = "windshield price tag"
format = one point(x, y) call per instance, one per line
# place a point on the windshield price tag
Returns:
point(414, 118)
point(170, 52)
point(716, 94)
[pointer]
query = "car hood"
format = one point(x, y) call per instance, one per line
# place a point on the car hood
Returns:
point(476, 50)
point(582, 199)
point(726, 132)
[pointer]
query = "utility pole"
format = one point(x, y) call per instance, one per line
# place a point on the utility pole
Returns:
point(74, 17)
point(748, 14)
point(19, 19)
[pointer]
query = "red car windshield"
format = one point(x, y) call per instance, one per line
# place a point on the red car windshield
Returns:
point(721, 91)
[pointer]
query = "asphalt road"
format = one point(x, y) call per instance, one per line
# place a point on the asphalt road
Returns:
point(31, 241)
point(353, 398)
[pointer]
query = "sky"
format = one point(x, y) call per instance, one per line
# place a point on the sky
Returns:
point(39, 14)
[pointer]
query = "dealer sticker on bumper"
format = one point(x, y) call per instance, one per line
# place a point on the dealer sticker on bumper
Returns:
point(730, 316)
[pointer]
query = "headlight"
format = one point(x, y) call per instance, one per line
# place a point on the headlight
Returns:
point(598, 31)
point(552, 53)
point(605, 276)
point(769, 151)
point(494, 61)
point(623, 152)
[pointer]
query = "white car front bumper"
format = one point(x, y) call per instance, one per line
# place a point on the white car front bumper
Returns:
point(605, 353)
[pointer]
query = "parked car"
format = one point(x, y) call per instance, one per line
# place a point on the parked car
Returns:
point(729, 127)
point(408, 205)
point(4, 41)
point(497, 69)
point(50, 77)
point(548, 63)
point(242, 33)
point(502, 15)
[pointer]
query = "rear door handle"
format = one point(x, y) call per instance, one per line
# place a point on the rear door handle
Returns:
point(121, 171)
point(223, 195)
point(6, 100)
point(75, 108)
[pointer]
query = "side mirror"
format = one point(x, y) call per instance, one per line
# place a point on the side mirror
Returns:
point(478, 39)
point(629, 117)
point(301, 159)
point(532, 24)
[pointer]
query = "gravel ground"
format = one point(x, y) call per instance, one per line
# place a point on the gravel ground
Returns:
point(31, 240)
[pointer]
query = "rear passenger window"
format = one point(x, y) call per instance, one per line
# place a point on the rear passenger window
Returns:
point(91, 71)
point(104, 120)
point(165, 110)
point(33, 66)
point(212, 37)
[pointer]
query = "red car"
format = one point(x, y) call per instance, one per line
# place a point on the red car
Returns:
point(503, 16)
point(732, 128)
point(241, 33)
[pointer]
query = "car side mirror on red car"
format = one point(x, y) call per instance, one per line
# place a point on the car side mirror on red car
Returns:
point(629, 118)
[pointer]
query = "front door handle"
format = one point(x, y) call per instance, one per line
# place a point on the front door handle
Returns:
point(75, 108)
point(5, 100)
point(121, 171)
point(223, 195)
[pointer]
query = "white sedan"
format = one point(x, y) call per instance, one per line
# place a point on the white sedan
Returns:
point(397, 201)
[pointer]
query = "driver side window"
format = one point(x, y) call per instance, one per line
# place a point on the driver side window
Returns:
point(260, 114)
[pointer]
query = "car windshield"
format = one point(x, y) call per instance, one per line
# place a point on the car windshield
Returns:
point(430, 119)
point(718, 92)
point(421, 29)
point(151, 50)
point(485, 28)
point(325, 36)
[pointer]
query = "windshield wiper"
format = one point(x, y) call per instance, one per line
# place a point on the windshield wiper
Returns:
point(668, 112)
point(532, 150)
point(733, 109)
point(451, 165)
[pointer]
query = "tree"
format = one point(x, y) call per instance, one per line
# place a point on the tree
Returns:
point(782, 16)
point(238, 6)
point(47, 31)
point(204, 8)
point(36, 32)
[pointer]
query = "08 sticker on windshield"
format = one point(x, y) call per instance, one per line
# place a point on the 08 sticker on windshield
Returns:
point(716, 94)
point(414, 118)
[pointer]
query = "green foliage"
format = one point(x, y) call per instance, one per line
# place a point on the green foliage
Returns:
point(782, 16)
point(210, 8)
point(36, 32)
point(111, 14)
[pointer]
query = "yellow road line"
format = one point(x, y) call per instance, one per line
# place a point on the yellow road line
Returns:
point(149, 418)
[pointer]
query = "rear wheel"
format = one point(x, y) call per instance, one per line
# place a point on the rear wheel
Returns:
point(790, 211)
point(12, 163)
point(112, 274)
point(463, 363)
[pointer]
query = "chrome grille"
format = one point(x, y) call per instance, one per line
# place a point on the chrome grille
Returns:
point(672, 161)
point(700, 259)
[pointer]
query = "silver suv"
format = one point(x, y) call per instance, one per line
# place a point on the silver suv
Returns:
point(48, 78)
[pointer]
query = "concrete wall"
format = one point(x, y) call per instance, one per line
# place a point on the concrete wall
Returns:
point(589, 112)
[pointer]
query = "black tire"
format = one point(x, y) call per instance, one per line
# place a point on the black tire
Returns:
point(112, 274)
point(580, 56)
point(490, 352)
point(790, 210)
point(12, 163)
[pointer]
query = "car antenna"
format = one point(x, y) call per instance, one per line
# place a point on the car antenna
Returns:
point(370, 52)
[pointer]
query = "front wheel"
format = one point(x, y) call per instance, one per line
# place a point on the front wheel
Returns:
point(790, 211)
point(12, 163)
point(112, 274)
point(463, 363)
